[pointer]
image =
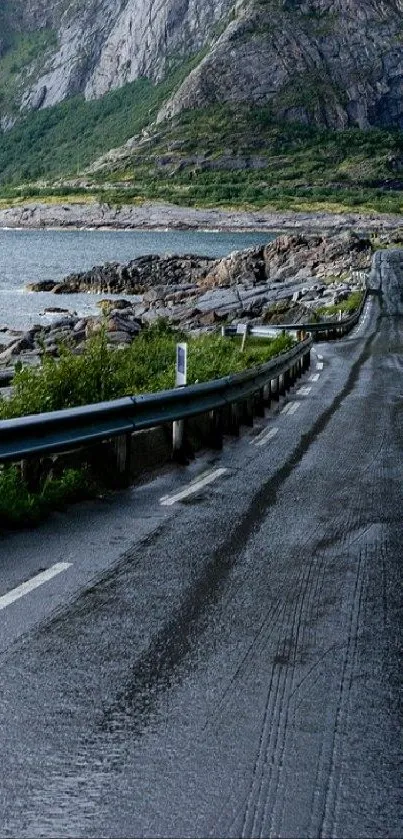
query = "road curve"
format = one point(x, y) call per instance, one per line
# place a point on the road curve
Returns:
point(235, 671)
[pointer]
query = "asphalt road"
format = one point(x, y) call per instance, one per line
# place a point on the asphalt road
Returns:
point(225, 663)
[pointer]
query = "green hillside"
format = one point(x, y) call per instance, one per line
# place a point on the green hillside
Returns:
point(239, 156)
point(221, 156)
point(66, 138)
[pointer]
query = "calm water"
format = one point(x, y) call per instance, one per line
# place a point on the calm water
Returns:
point(31, 255)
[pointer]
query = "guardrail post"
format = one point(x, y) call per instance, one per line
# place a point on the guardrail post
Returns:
point(275, 388)
point(259, 403)
point(247, 412)
point(234, 420)
point(30, 472)
point(267, 394)
point(281, 384)
point(122, 447)
point(179, 448)
point(215, 435)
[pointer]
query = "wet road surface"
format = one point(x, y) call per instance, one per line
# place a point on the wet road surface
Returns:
point(226, 665)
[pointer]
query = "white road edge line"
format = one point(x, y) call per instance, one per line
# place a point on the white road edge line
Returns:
point(168, 500)
point(269, 436)
point(32, 584)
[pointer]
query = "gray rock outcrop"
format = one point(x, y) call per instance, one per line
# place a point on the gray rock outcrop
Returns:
point(336, 63)
point(329, 62)
point(288, 279)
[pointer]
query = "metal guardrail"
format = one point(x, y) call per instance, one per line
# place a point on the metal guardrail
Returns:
point(324, 329)
point(72, 428)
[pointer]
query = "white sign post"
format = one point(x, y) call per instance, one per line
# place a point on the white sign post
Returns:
point(178, 428)
point(181, 365)
point(242, 329)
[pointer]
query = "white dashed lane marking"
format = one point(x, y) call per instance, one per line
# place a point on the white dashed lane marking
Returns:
point(290, 408)
point(195, 486)
point(319, 365)
point(32, 584)
point(304, 391)
point(294, 407)
point(315, 377)
point(267, 437)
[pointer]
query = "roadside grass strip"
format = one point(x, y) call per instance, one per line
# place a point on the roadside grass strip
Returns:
point(35, 582)
point(195, 486)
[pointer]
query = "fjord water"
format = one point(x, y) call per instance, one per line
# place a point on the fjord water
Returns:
point(31, 255)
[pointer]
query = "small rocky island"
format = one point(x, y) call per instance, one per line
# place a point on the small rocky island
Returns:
point(291, 279)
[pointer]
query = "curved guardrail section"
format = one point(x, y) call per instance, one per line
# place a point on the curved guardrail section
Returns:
point(324, 329)
point(58, 431)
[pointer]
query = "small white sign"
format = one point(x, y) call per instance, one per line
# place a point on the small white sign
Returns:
point(241, 328)
point(181, 364)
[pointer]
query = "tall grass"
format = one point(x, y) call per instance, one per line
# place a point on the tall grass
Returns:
point(102, 373)
point(147, 365)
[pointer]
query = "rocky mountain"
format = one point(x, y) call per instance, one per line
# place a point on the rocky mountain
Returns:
point(97, 45)
point(336, 63)
point(330, 62)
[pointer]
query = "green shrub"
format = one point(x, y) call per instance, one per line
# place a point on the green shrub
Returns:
point(21, 507)
point(348, 306)
point(147, 365)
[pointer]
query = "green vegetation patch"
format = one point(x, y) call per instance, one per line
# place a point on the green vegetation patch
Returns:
point(147, 365)
point(347, 306)
point(22, 507)
point(23, 61)
point(239, 157)
point(103, 373)
point(224, 156)
point(66, 138)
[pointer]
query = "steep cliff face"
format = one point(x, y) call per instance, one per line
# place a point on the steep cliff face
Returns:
point(103, 44)
point(330, 62)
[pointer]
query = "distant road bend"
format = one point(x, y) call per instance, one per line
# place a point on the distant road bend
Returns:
point(222, 659)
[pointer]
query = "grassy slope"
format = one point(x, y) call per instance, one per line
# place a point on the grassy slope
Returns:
point(294, 167)
point(23, 60)
point(147, 365)
point(300, 167)
point(66, 138)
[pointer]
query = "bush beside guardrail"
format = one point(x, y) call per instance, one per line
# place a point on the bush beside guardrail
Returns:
point(227, 401)
point(321, 330)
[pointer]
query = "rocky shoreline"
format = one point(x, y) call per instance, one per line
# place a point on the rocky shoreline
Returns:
point(291, 279)
point(150, 216)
